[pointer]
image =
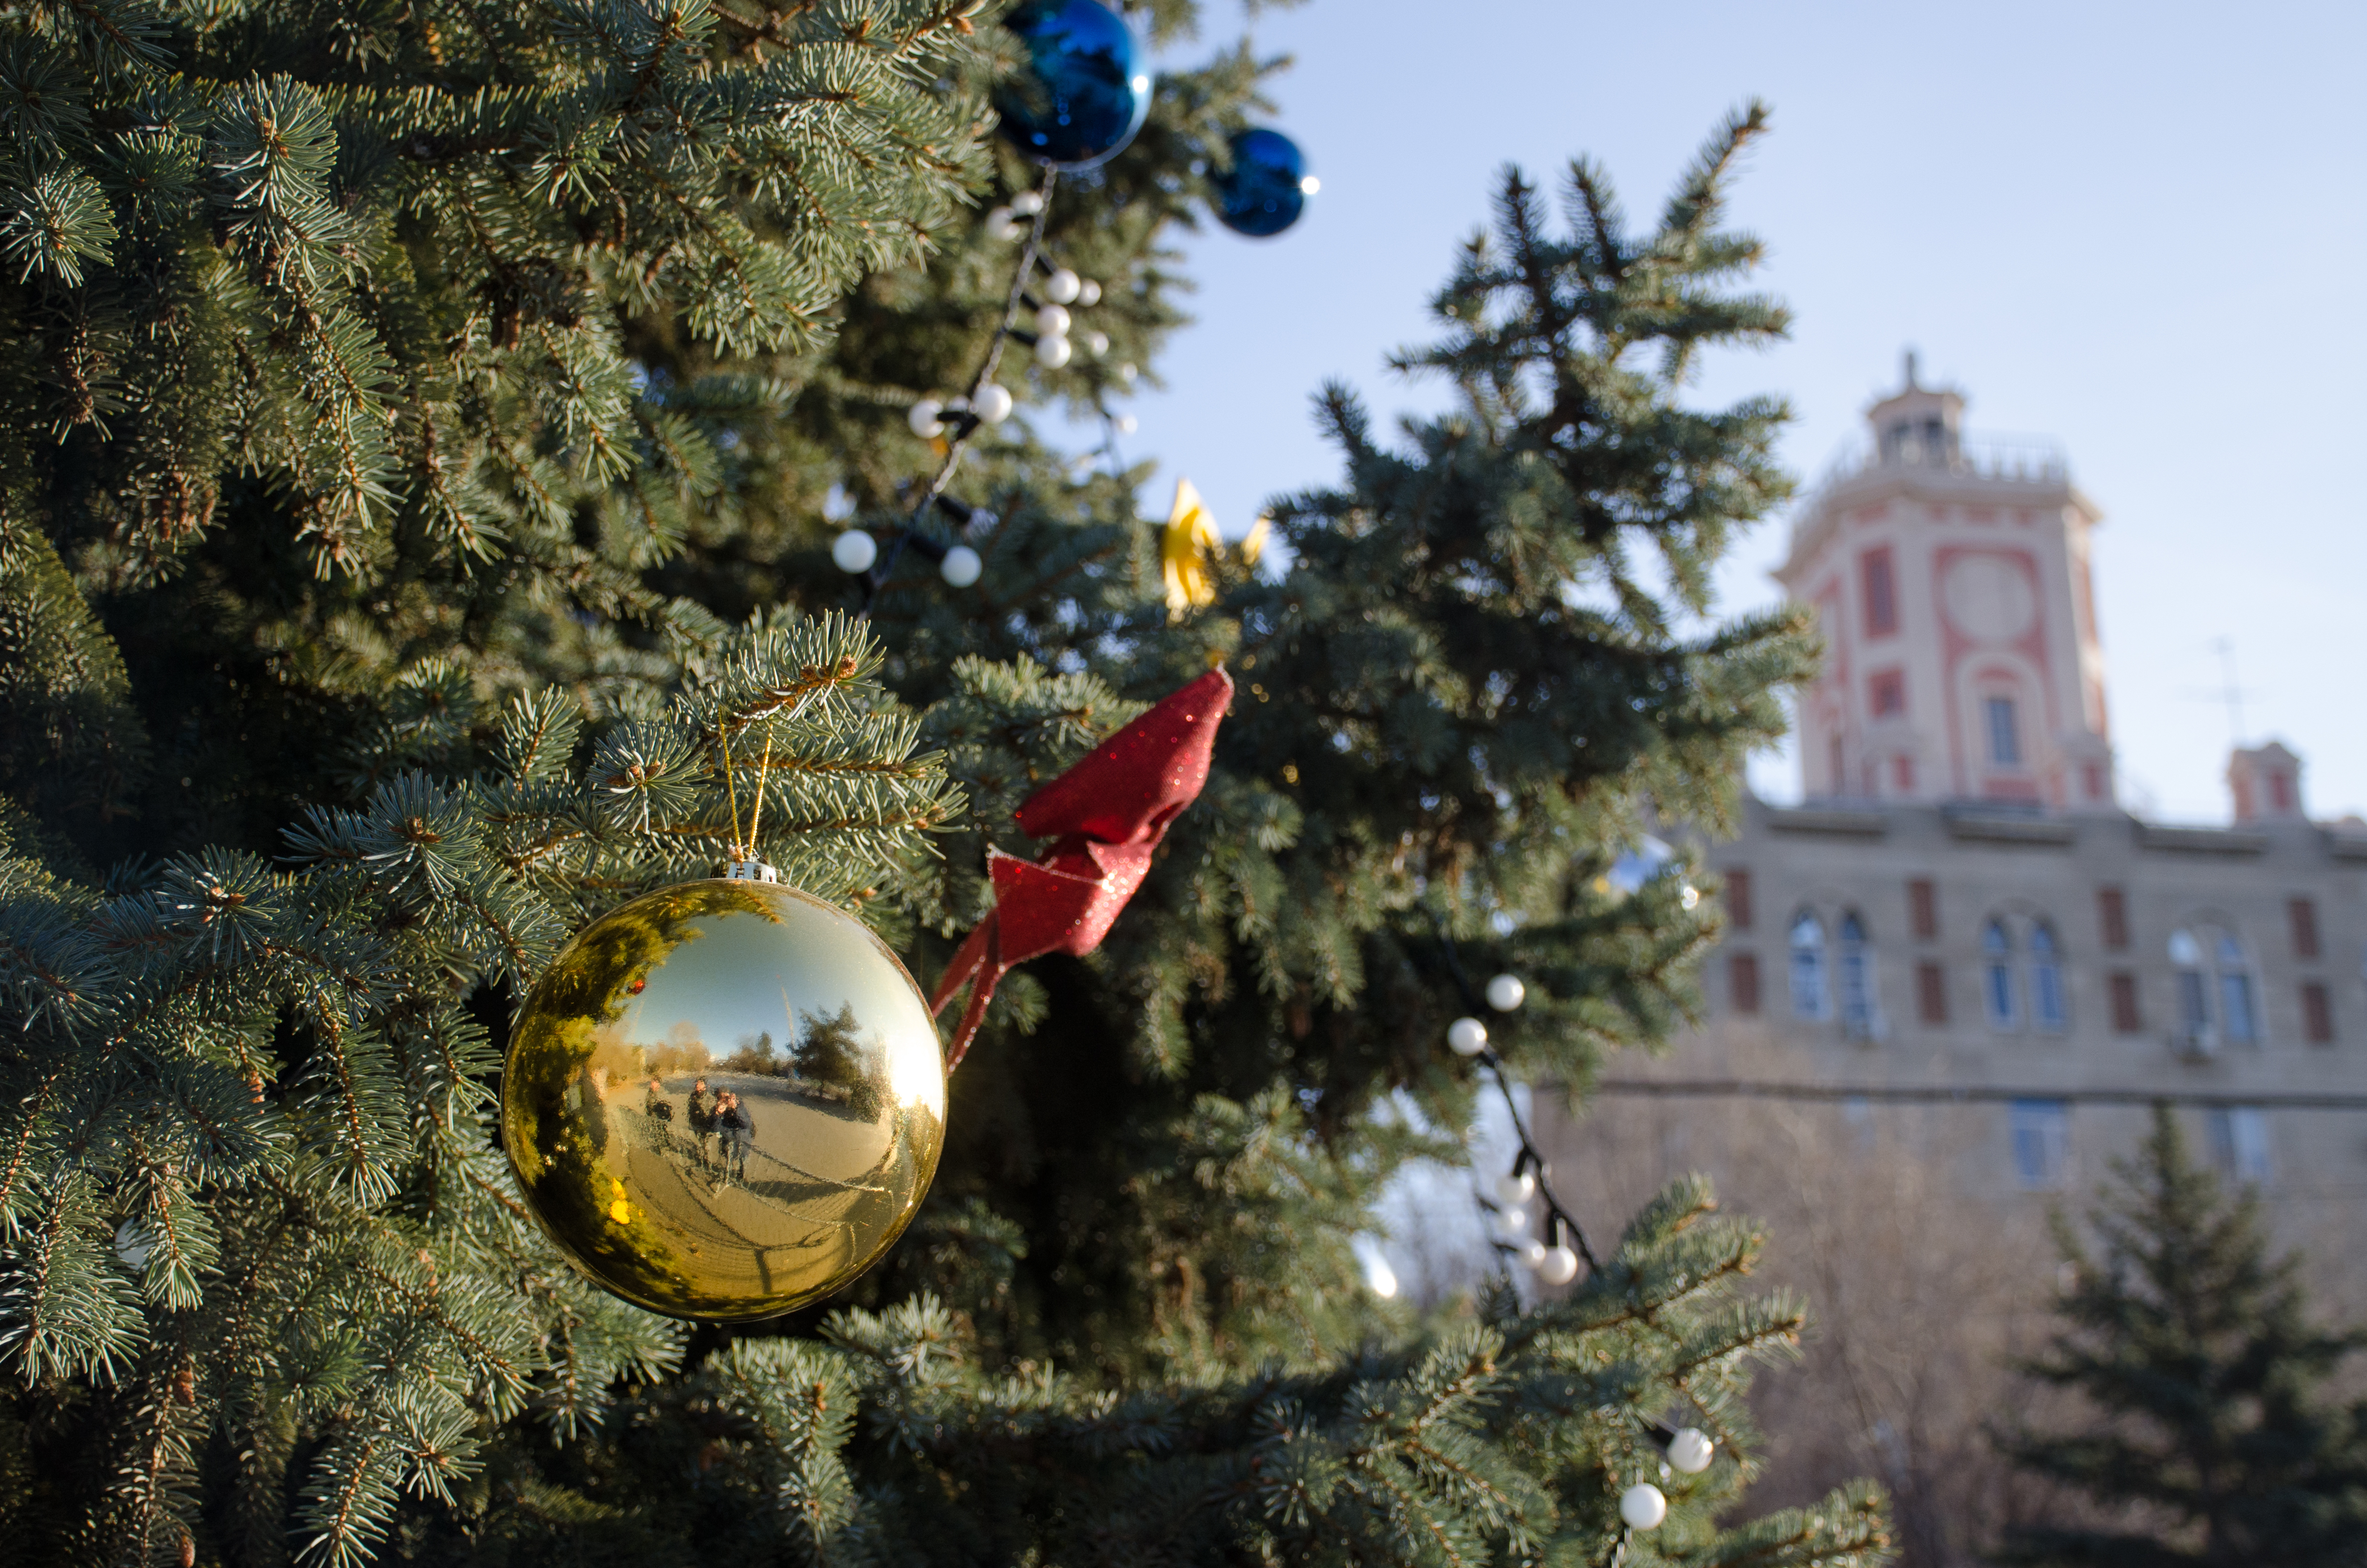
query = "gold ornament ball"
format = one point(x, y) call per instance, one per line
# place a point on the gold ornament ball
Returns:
point(724, 1100)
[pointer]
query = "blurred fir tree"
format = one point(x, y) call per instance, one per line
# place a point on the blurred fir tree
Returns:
point(419, 426)
point(2211, 1437)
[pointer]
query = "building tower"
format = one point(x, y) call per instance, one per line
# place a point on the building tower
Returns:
point(1950, 574)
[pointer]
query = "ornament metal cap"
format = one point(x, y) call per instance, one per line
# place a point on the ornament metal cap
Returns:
point(746, 871)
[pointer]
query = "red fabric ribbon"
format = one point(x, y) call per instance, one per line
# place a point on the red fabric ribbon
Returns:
point(1105, 816)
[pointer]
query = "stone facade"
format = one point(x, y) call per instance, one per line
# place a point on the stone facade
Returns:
point(1960, 912)
point(2063, 968)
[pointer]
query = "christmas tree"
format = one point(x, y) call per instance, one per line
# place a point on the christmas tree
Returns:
point(2211, 1437)
point(428, 430)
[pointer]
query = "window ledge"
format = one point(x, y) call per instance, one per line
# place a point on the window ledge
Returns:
point(2009, 827)
point(2201, 840)
point(1859, 822)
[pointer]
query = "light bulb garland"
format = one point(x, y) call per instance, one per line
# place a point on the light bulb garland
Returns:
point(1553, 1259)
point(1561, 1241)
point(1642, 1506)
point(1078, 102)
point(954, 421)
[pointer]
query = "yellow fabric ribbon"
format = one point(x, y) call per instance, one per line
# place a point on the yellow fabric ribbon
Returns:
point(1188, 547)
point(1184, 549)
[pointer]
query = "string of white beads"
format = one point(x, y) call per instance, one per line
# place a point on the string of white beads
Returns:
point(855, 551)
point(1642, 1506)
point(1691, 1450)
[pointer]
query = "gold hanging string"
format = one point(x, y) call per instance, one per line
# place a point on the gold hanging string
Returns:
point(730, 789)
point(756, 813)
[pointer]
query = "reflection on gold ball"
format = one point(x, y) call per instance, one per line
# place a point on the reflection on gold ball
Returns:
point(724, 1100)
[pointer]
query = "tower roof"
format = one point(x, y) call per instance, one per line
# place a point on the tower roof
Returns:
point(1916, 421)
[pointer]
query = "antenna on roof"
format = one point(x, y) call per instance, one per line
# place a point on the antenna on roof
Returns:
point(1910, 371)
point(2231, 694)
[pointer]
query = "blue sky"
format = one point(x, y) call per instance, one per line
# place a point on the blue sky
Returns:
point(2135, 229)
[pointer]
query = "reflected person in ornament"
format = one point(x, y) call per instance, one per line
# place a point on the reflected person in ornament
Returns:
point(739, 1134)
point(701, 1114)
point(657, 1113)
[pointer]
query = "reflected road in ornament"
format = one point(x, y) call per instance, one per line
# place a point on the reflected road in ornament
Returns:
point(724, 1100)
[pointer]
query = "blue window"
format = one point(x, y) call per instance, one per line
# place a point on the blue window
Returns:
point(1808, 998)
point(2048, 1012)
point(2042, 1142)
point(2215, 999)
point(1857, 980)
point(1996, 977)
point(2235, 993)
point(2239, 1141)
point(2193, 986)
point(2005, 735)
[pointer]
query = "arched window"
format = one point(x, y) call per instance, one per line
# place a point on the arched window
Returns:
point(2047, 1013)
point(2214, 987)
point(2235, 1020)
point(2194, 985)
point(1996, 977)
point(1857, 979)
point(1808, 998)
point(2004, 732)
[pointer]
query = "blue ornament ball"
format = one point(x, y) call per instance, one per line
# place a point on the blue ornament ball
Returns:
point(1081, 99)
point(1265, 190)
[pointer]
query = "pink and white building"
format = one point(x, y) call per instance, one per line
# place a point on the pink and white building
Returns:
point(1959, 916)
point(1950, 574)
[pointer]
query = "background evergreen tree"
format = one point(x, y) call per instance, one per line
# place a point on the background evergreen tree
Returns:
point(831, 1049)
point(2212, 1437)
point(421, 425)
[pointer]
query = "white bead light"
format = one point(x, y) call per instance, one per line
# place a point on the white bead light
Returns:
point(1506, 992)
point(1052, 321)
point(1690, 897)
point(1126, 424)
point(924, 417)
point(855, 551)
point(1001, 225)
point(1089, 292)
point(1532, 1255)
point(1052, 352)
point(1063, 285)
point(1027, 203)
point(993, 404)
point(1642, 1506)
point(961, 566)
point(1691, 1450)
point(1559, 1267)
point(1127, 372)
point(1467, 1037)
point(1516, 1189)
point(1096, 343)
point(1513, 1222)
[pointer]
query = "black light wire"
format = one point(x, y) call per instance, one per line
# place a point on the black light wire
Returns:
point(964, 422)
point(1558, 1218)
